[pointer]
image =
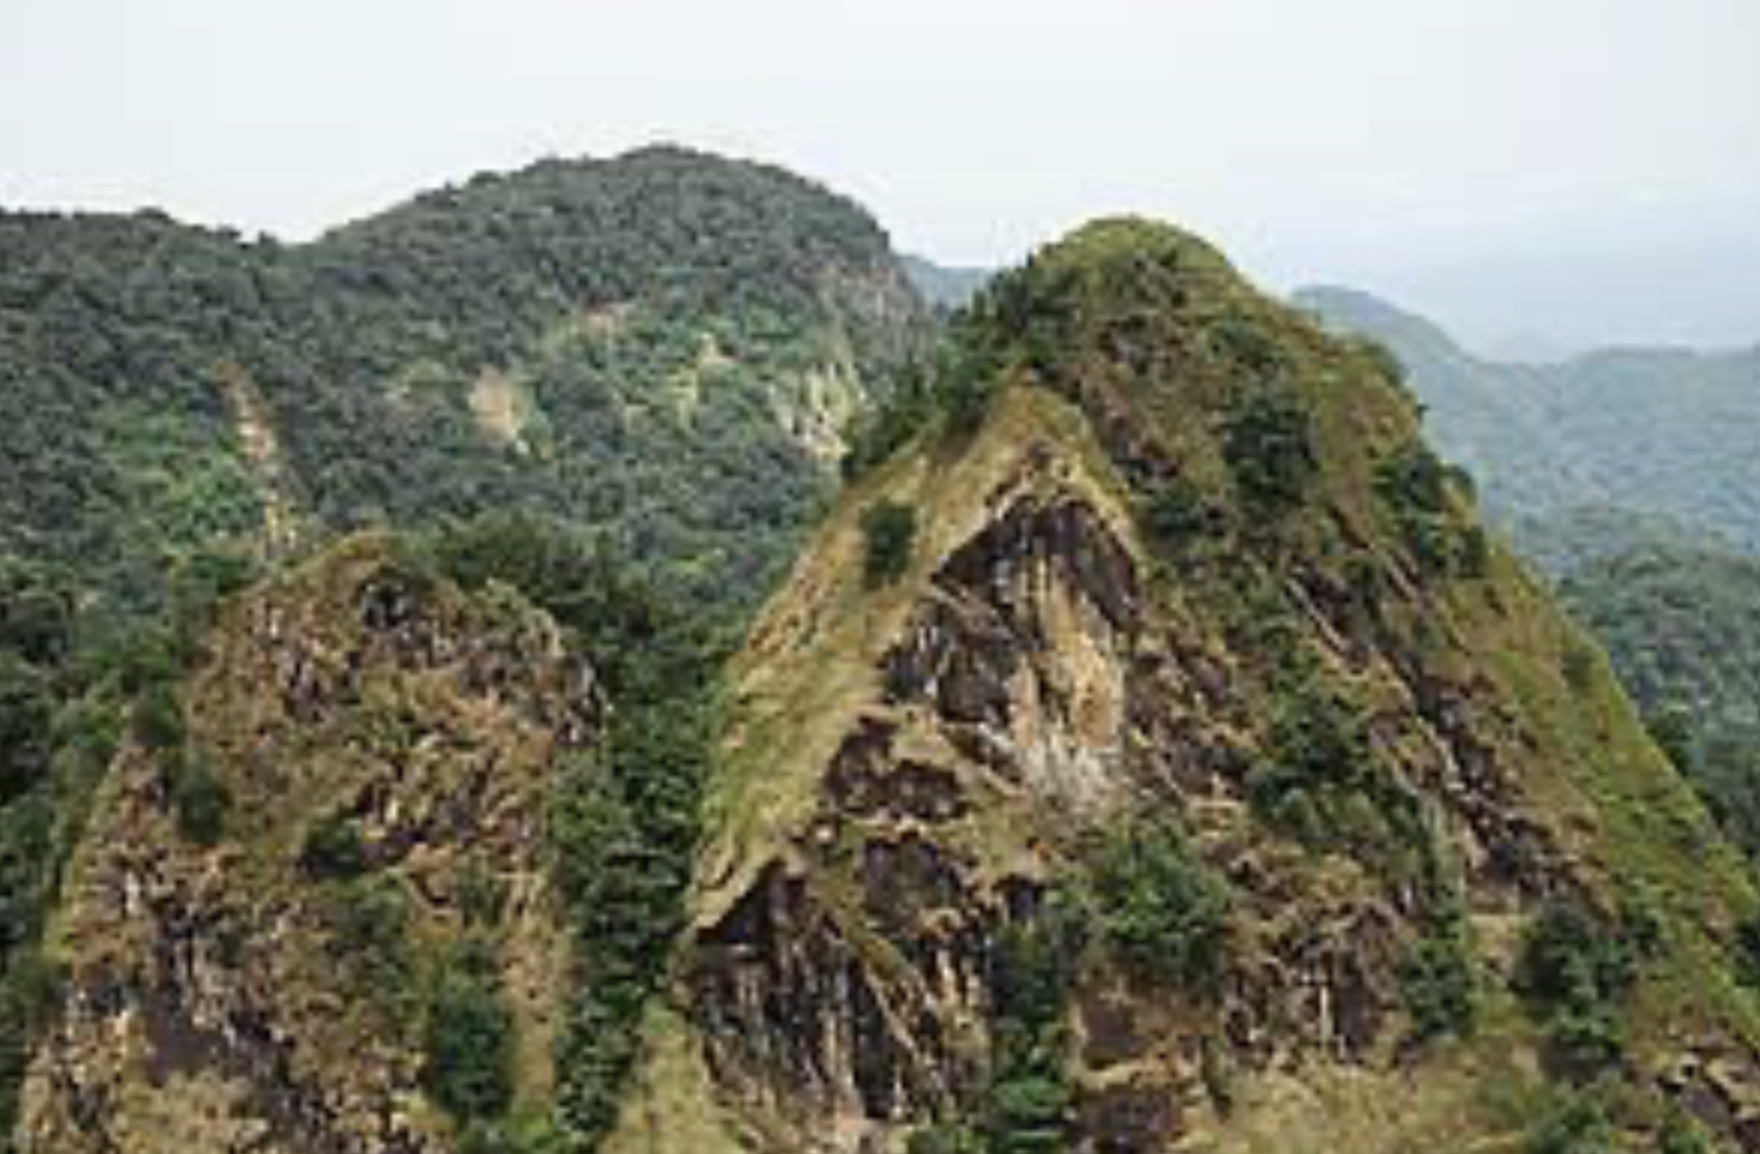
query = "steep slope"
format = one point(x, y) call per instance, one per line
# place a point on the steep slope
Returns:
point(1682, 627)
point(663, 347)
point(315, 857)
point(1193, 775)
point(1663, 434)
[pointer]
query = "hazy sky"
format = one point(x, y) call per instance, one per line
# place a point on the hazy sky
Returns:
point(1572, 169)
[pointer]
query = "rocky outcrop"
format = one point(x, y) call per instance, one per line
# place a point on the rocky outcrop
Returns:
point(1382, 755)
point(223, 998)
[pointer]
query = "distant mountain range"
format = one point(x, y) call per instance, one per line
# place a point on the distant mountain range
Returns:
point(945, 286)
point(1580, 457)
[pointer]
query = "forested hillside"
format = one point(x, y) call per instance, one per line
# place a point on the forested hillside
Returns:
point(1630, 476)
point(1661, 435)
point(662, 348)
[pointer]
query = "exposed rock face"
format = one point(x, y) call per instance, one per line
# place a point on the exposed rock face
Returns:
point(1046, 672)
point(214, 1001)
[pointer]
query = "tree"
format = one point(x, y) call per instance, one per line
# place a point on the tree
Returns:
point(1268, 445)
point(889, 530)
point(469, 1040)
point(1160, 906)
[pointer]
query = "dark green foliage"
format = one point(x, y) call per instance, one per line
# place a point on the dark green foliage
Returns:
point(1575, 969)
point(1268, 444)
point(1681, 1135)
point(653, 316)
point(1160, 906)
point(1319, 783)
point(625, 817)
point(158, 718)
point(1316, 746)
point(949, 394)
point(370, 927)
point(1575, 1125)
point(877, 433)
point(1746, 953)
point(889, 531)
point(1672, 731)
point(61, 717)
point(1682, 629)
point(1439, 982)
point(200, 801)
point(468, 1039)
point(333, 849)
point(1414, 486)
point(1028, 1105)
point(1413, 481)
point(1173, 513)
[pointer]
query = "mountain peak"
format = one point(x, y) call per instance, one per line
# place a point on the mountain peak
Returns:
point(1186, 614)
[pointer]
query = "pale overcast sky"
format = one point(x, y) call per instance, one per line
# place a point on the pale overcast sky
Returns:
point(1580, 170)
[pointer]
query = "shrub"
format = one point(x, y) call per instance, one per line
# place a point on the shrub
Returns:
point(1575, 970)
point(1159, 906)
point(333, 849)
point(1439, 984)
point(158, 718)
point(889, 530)
point(1172, 513)
point(1681, 1135)
point(1414, 485)
point(370, 924)
point(1318, 738)
point(1671, 728)
point(1746, 952)
point(200, 801)
point(1028, 1102)
point(1575, 1126)
point(1268, 444)
point(1413, 480)
point(1579, 665)
point(468, 1041)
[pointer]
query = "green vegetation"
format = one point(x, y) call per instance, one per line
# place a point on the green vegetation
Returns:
point(1159, 906)
point(625, 817)
point(200, 801)
point(1268, 443)
point(333, 849)
point(1682, 628)
point(1440, 984)
point(62, 710)
point(1319, 783)
point(1574, 1125)
point(468, 1039)
point(1028, 1104)
point(1173, 512)
point(1575, 970)
point(630, 344)
point(1576, 456)
point(889, 532)
point(370, 928)
point(1415, 487)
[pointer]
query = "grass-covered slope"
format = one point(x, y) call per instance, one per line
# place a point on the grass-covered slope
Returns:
point(1155, 752)
point(662, 348)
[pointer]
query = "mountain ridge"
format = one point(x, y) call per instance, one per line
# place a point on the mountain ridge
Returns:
point(596, 337)
point(1120, 570)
